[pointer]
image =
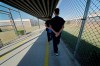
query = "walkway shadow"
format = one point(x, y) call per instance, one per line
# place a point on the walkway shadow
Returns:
point(87, 54)
point(35, 55)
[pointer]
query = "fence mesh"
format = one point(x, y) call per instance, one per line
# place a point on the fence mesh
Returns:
point(6, 30)
point(89, 49)
point(10, 16)
point(88, 53)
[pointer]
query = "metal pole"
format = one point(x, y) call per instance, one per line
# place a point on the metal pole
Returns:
point(22, 22)
point(38, 23)
point(82, 25)
point(14, 25)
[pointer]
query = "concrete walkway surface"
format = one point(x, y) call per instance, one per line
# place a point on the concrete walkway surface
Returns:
point(38, 52)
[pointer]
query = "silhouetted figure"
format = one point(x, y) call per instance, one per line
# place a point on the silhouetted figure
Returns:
point(47, 24)
point(56, 25)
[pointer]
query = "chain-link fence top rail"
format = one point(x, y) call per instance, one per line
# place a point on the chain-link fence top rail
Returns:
point(88, 53)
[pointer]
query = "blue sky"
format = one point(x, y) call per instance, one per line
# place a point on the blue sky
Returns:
point(69, 9)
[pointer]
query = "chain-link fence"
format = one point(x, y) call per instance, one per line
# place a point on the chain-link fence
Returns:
point(6, 27)
point(13, 25)
point(86, 45)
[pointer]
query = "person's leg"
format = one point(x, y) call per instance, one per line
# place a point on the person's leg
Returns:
point(58, 39)
point(55, 47)
point(56, 42)
point(48, 35)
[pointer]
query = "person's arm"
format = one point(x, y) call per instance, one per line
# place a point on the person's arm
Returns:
point(61, 29)
point(52, 29)
point(58, 33)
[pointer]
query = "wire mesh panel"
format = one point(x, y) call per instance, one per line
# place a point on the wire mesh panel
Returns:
point(88, 53)
point(7, 32)
point(73, 11)
point(89, 49)
point(71, 32)
point(17, 20)
point(15, 24)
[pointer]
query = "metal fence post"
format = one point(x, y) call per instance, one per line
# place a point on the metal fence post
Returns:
point(1, 44)
point(82, 25)
point(22, 22)
point(14, 25)
point(38, 23)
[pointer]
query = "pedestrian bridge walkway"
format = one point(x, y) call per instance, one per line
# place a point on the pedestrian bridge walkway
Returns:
point(36, 51)
point(81, 33)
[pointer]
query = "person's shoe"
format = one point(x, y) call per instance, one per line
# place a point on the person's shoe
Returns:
point(56, 54)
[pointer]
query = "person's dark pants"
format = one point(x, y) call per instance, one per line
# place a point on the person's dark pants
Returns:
point(49, 36)
point(56, 41)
